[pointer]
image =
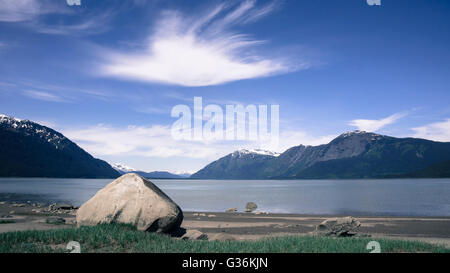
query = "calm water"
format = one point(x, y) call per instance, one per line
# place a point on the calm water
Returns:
point(420, 197)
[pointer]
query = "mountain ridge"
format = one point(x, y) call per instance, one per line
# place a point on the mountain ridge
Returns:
point(355, 154)
point(237, 165)
point(123, 169)
point(28, 149)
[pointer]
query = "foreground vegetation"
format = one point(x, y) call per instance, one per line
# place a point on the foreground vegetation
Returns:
point(125, 238)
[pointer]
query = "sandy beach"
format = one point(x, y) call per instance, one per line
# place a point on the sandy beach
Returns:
point(246, 226)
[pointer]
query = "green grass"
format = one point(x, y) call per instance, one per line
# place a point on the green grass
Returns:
point(124, 238)
point(7, 221)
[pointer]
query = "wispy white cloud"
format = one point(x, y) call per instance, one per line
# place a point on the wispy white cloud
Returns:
point(45, 96)
point(66, 93)
point(20, 10)
point(156, 141)
point(373, 125)
point(31, 14)
point(200, 50)
point(91, 24)
point(153, 141)
point(438, 131)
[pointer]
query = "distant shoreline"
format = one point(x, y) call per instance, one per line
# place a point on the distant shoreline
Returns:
point(234, 179)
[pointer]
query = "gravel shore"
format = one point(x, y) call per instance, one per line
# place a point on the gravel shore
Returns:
point(243, 226)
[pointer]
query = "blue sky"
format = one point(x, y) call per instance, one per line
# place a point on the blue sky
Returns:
point(107, 73)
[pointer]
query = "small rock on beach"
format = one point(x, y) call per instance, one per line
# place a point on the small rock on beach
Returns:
point(55, 220)
point(339, 227)
point(194, 234)
point(250, 207)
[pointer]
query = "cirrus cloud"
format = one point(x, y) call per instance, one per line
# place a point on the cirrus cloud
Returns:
point(14, 11)
point(32, 14)
point(438, 131)
point(146, 141)
point(200, 51)
point(19, 10)
point(45, 96)
point(373, 125)
point(157, 141)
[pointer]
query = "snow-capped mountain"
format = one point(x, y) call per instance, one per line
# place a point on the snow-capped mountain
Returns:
point(28, 149)
point(183, 174)
point(122, 168)
point(30, 128)
point(241, 164)
point(355, 154)
point(356, 133)
point(257, 151)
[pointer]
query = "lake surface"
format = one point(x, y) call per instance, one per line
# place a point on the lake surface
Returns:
point(400, 197)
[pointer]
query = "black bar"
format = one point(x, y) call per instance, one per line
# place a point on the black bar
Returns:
point(231, 262)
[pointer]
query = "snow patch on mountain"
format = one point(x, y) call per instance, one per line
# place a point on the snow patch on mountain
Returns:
point(358, 132)
point(31, 128)
point(257, 151)
point(5, 117)
point(122, 168)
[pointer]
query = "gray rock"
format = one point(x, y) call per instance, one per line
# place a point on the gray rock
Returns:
point(194, 234)
point(52, 207)
point(132, 199)
point(339, 227)
point(250, 207)
point(63, 207)
point(55, 220)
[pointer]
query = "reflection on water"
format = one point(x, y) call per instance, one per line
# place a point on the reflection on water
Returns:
point(408, 197)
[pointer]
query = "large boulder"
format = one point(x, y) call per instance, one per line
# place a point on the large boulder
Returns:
point(340, 227)
point(134, 200)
